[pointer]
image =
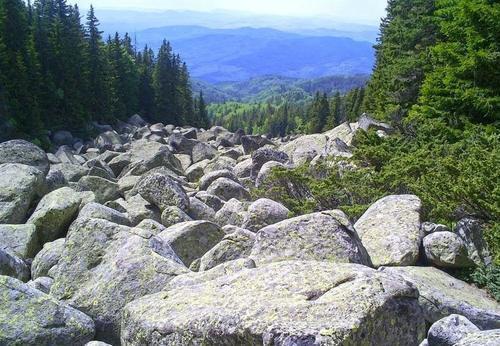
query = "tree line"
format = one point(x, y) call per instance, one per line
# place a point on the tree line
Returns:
point(58, 73)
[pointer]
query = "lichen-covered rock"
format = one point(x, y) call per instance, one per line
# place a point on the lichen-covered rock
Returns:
point(19, 239)
point(252, 143)
point(305, 148)
point(243, 169)
point(232, 213)
point(11, 265)
point(483, 338)
point(263, 155)
point(42, 284)
point(19, 186)
point(442, 295)
point(159, 189)
point(429, 227)
point(200, 211)
point(174, 215)
point(233, 246)
point(212, 201)
point(104, 190)
point(138, 209)
point(202, 151)
point(47, 258)
point(191, 240)
point(263, 178)
point(71, 172)
point(324, 236)
point(196, 171)
point(103, 267)
point(99, 211)
point(31, 317)
point(227, 189)
point(285, 303)
point(25, 153)
point(390, 230)
point(54, 213)
point(450, 330)
point(471, 232)
point(209, 178)
point(343, 132)
point(264, 212)
point(446, 249)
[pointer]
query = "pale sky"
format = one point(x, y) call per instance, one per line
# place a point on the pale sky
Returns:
point(353, 10)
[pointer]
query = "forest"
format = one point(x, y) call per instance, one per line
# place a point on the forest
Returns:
point(58, 73)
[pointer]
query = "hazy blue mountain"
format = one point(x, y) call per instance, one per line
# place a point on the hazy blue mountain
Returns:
point(217, 55)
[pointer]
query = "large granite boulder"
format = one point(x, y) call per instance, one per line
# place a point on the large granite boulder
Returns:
point(324, 236)
point(227, 189)
point(471, 232)
point(11, 265)
point(263, 155)
point(285, 303)
point(209, 178)
point(32, 318)
point(54, 213)
point(19, 186)
point(104, 189)
point(446, 249)
point(103, 267)
point(264, 212)
point(47, 258)
point(233, 212)
point(305, 148)
point(483, 338)
point(442, 295)
point(19, 239)
point(191, 240)
point(251, 143)
point(202, 151)
point(25, 153)
point(450, 330)
point(390, 230)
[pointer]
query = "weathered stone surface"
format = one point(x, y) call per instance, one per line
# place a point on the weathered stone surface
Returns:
point(174, 215)
point(263, 155)
point(390, 230)
point(442, 295)
point(138, 209)
point(227, 189)
point(450, 330)
point(25, 153)
point(159, 189)
point(99, 211)
point(252, 143)
point(343, 132)
point(47, 258)
point(446, 249)
point(484, 338)
point(233, 246)
point(305, 148)
point(265, 172)
point(104, 190)
point(232, 213)
point(19, 239)
point(324, 236)
point(19, 186)
point(209, 178)
point(286, 303)
point(163, 158)
point(212, 201)
point(185, 161)
point(103, 267)
point(181, 144)
point(11, 265)
point(71, 172)
point(199, 210)
point(471, 232)
point(202, 151)
point(429, 227)
point(107, 140)
point(243, 169)
point(97, 343)
point(191, 240)
point(42, 284)
point(264, 212)
point(31, 317)
point(54, 213)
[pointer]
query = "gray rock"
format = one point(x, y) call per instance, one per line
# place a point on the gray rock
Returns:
point(446, 249)
point(209, 178)
point(19, 239)
point(243, 169)
point(181, 144)
point(103, 267)
point(263, 155)
point(99, 211)
point(442, 295)
point(47, 258)
point(202, 151)
point(19, 186)
point(163, 158)
point(54, 214)
point(42, 284)
point(104, 190)
point(162, 191)
point(212, 201)
point(25, 153)
point(305, 148)
point(227, 189)
point(220, 163)
point(286, 303)
point(471, 232)
point(11, 265)
point(97, 343)
point(233, 246)
point(252, 143)
point(263, 178)
point(264, 212)
point(343, 132)
point(136, 120)
point(199, 210)
point(390, 230)
point(66, 155)
point(185, 161)
point(107, 140)
point(31, 317)
point(150, 228)
point(71, 172)
point(484, 338)
point(232, 213)
point(191, 240)
point(196, 171)
point(55, 180)
point(450, 330)
point(429, 227)
point(324, 236)
point(174, 215)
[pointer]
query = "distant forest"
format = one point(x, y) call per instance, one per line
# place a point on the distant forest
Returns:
point(57, 73)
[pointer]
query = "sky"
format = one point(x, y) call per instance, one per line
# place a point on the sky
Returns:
point(360, 11)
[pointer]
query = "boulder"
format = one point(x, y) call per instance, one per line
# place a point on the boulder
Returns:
point(181, 144)
point(484, 338)
point(66, 154)
point(343, 132)
point(159, 189)
point(212, 201)
point(233, 246)
point(107, 140)
point(31, 317)
point(185, 161)
point(163, 158)
point(22, 152)
point(442, 295)
point(174, 215)
point(196, 171)
point(324, 236)
point(202, 151)
point(99, 211)
point(232, 213)
point(220, 163)
point(55, 180)
point(136, 120)
point(263, 178)
point(450, 330)
point(103, 267)
point(227, 189)
point(54, 213)
point(446, 249)
point(428, 227)
point(243, 169)
point(11, 265)
point(104, 190)
point(252, 143)
point(47, 258)
point(199, 210)
point(390, 230)
point(264, 212)
point(263, 155)
point(471, 232)
point(191, 240)
point(71, 172)
point(209, 178)
point(305, 148)
point(19, 239)
point(19, 186)
point(42, 284)
point(286, 303)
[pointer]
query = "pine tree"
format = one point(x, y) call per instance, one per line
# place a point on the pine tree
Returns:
point(164, 86)
point(201, 112)
point(146, 91)
point(186, 97)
